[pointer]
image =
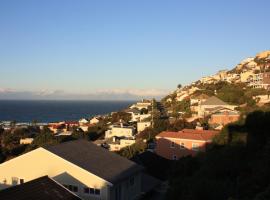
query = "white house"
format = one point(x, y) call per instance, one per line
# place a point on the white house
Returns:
point(141, 126)
point(120, 131)
point(211, 105)
point(95, 120)
point(117, 144)
point(87, 170)
point(142, 105)
point(83, 121)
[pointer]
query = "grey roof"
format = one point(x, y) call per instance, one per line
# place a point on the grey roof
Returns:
point(97, 160)
point(214, 101)
point(42, 188)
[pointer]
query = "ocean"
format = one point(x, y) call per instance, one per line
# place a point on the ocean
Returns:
point(50, 111)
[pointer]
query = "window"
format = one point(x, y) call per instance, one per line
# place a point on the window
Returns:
point(174, 157)
point(195, 146)
point(97, 191)
point(91, 191)
point(86, 190)
point(131, 181)
point(14, 180)
point(172, 144)
point(182, 145)
point(73, 188)
point(21, 181)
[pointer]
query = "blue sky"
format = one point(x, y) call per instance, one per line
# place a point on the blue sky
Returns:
point(88, 46)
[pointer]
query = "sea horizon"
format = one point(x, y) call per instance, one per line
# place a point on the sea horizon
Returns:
point(46, 111)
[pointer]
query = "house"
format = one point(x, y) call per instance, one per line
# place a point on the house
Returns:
point(136, 115)
point(245, 76)
point(26, 141)
point(120, 131)
point(144, 104)
point(174, 145)
point(224, 117)
point(43, 188)
point(198, 99)
point(95, 120)
point(117, 143)
point(262, 99)
point(57, 127)
point(211, 105)
point(260, 80)
point(89, 171)
point(83, 121)
point(141, 126)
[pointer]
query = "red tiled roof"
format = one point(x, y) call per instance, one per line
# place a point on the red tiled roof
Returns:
point(190, 134)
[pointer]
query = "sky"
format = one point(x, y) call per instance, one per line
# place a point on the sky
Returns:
point(89, 48)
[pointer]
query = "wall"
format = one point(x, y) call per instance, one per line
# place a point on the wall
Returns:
point(164, 148)
point(223, 119)
point(126, 189)
point(127, 132)
point(141, 126)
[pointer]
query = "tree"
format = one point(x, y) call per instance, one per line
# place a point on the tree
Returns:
point(116, 117)
point(179, 86)
point(133, 150)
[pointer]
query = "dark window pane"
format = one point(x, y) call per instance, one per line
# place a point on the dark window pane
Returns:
point(92, 191)
point(75, 189)
point(97, 191)
point(86, 190)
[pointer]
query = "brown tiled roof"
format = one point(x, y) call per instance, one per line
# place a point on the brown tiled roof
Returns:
point(190, 134)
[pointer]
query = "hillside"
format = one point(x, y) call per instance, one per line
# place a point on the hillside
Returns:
point(241, 85)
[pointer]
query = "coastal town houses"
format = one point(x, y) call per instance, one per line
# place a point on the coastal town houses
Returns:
point(88, 171)
point(263, 81)
point(174, 145)
point(211, 105)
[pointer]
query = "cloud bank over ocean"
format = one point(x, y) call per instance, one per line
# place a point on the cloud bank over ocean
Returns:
point(106, 94)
